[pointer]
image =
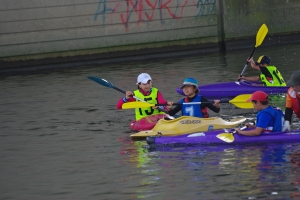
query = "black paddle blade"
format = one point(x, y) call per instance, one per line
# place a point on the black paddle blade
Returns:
point(101, 81)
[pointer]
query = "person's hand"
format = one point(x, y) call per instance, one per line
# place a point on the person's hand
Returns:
point(286, 126)
point(250, 60)
point(250, 125)
point(170, 104)
point(217, 103)
point(237, 130)
point(241, 77)
point(129, 94)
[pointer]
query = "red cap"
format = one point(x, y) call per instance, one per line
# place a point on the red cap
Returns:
point(258, 96)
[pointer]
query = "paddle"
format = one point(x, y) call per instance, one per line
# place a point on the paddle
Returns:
point(260, 36)
point(239, 101)
point(105, 83)
point(228, 137)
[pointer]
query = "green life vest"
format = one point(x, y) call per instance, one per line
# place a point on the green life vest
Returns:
point(276, 76)
point(152, 99)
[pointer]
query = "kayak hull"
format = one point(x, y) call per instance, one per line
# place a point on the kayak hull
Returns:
point(187, 124)
point(210, 137)
point(229, 90)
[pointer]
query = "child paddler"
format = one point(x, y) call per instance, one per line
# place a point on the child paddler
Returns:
point(190, 89)
point(147, 93)
point(269, 74)
point(268, 119)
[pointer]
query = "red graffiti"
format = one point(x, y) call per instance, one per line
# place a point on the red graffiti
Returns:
point(138, 8)
point(138, 11)
point(164, 6)
point(150, 17)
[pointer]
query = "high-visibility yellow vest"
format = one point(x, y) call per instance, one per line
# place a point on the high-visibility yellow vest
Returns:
point(152, 99)
point(276, 75)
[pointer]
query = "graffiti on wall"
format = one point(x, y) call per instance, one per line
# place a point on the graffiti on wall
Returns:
point(144, 11)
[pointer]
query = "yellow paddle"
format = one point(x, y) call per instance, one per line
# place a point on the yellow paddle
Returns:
point(228, 137)
point(238, 101)
point(260, 36)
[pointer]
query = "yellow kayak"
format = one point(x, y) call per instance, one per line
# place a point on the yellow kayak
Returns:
point(187, 124)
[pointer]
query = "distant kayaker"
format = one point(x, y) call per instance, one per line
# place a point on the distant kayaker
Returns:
point(268, 118)
point(190, 89)
point(146, 92)
point(269, 75)
point(292, 100)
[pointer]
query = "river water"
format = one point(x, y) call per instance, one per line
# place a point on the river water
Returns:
point(62, 138)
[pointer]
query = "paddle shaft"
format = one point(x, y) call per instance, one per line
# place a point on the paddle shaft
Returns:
point(110, 85)
point(239, 101)
point(245, 67)
point(260, 36)
point(105, 83)
point(190, 103)
point(242, 128)
point(118, 89)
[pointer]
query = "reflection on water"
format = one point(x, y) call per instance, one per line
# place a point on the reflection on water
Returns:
point(247, 171)
point(62, 137)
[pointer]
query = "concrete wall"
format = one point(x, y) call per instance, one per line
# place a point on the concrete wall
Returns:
point(241, 18)
point(37, 29)
point(31, 27)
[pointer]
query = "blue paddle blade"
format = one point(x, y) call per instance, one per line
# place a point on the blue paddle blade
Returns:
point(101, 81)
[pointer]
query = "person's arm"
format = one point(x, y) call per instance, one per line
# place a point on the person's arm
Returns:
point(288, 114)
point(160, 98)
point(253, 65)
point(263, 121)
point(288, 107)
point(175, 110)
point(127, 98)
point(288, 119)
point(122, 100)
point(250, 78)
point(215, 108)
point(253, 132)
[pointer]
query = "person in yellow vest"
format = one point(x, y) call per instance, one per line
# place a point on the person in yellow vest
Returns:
point(269, 74)
point(292, 104)
point(147, 93)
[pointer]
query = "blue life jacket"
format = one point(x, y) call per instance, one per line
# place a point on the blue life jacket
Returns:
point(193, 109)
point(278, 118)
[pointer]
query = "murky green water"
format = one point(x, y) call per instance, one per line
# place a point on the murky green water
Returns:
point(62, 137)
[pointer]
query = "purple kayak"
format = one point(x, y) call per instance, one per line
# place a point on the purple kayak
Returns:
point(229, 90)
point(210, 137)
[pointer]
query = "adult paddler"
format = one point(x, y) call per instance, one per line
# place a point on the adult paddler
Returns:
point(292, 100)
